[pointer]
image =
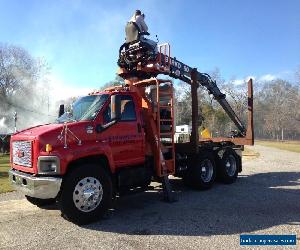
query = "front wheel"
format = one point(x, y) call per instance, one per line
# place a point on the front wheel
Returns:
point(201, 171)
point(86, 194)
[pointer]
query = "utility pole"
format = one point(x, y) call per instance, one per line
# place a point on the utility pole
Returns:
point(15, 120)
point(48, 110)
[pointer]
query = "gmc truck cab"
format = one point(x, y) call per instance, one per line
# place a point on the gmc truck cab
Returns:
point(91, 152)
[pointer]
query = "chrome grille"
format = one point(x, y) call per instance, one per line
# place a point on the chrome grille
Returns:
point(22, 153)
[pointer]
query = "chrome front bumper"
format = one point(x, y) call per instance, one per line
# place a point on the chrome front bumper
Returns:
point(38, 187)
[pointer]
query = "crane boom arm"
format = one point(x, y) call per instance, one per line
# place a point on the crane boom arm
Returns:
point(183, 72)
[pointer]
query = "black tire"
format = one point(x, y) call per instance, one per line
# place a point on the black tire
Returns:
point(40, 202)
point(228, 165)
point(80, 179)
point(197, 177)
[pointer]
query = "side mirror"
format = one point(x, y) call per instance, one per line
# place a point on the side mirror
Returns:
point(61, 110)
point(115, 107)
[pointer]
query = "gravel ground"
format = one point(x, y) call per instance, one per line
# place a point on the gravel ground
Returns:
point(264, 200)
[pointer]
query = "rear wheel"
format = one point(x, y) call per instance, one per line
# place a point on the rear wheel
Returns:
point(228, 166)
point(86, 194)
point(201, 171)
point(40, 202)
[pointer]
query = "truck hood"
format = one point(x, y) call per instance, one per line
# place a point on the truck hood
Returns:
point(54, 135)
point(51, 133)
point(39, 130)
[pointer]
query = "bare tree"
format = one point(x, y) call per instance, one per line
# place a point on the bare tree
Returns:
point(237, 96)
point(19, 75)
point(17, 69)
point(280, 99)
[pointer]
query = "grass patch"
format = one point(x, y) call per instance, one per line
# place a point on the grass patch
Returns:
point(293, 146)
point(4, 167)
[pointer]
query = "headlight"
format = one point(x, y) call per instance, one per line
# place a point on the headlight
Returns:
point(48, 165)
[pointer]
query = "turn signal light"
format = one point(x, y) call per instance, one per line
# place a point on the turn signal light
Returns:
point(48, 148)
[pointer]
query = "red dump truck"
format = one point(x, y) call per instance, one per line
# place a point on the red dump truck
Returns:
point(122, 138)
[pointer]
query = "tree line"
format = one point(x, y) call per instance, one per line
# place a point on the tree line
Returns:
point(276, 107)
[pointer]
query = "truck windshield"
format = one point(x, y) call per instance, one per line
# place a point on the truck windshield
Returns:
point(84, 109)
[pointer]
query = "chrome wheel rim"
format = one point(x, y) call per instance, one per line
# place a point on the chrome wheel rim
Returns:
point(230, 165)
point(87, 194)
point(207, 170)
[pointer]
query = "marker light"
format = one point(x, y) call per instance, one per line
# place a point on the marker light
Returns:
point(48, 148)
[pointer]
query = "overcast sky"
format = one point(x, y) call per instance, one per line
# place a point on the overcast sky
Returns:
point(80, 39)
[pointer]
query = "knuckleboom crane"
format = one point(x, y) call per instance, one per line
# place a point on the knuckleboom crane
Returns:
point(120, 139)
point(143, 73)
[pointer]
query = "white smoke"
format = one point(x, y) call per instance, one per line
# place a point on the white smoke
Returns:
point(39, 105)
point(4, 129)
point(61, 90)
point(2, 122)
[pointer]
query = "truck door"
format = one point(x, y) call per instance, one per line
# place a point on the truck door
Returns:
point(126, 137)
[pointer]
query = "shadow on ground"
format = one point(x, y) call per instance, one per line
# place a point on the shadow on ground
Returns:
point(254, 202)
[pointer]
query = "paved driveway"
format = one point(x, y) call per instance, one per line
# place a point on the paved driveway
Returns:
point(264, 200)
